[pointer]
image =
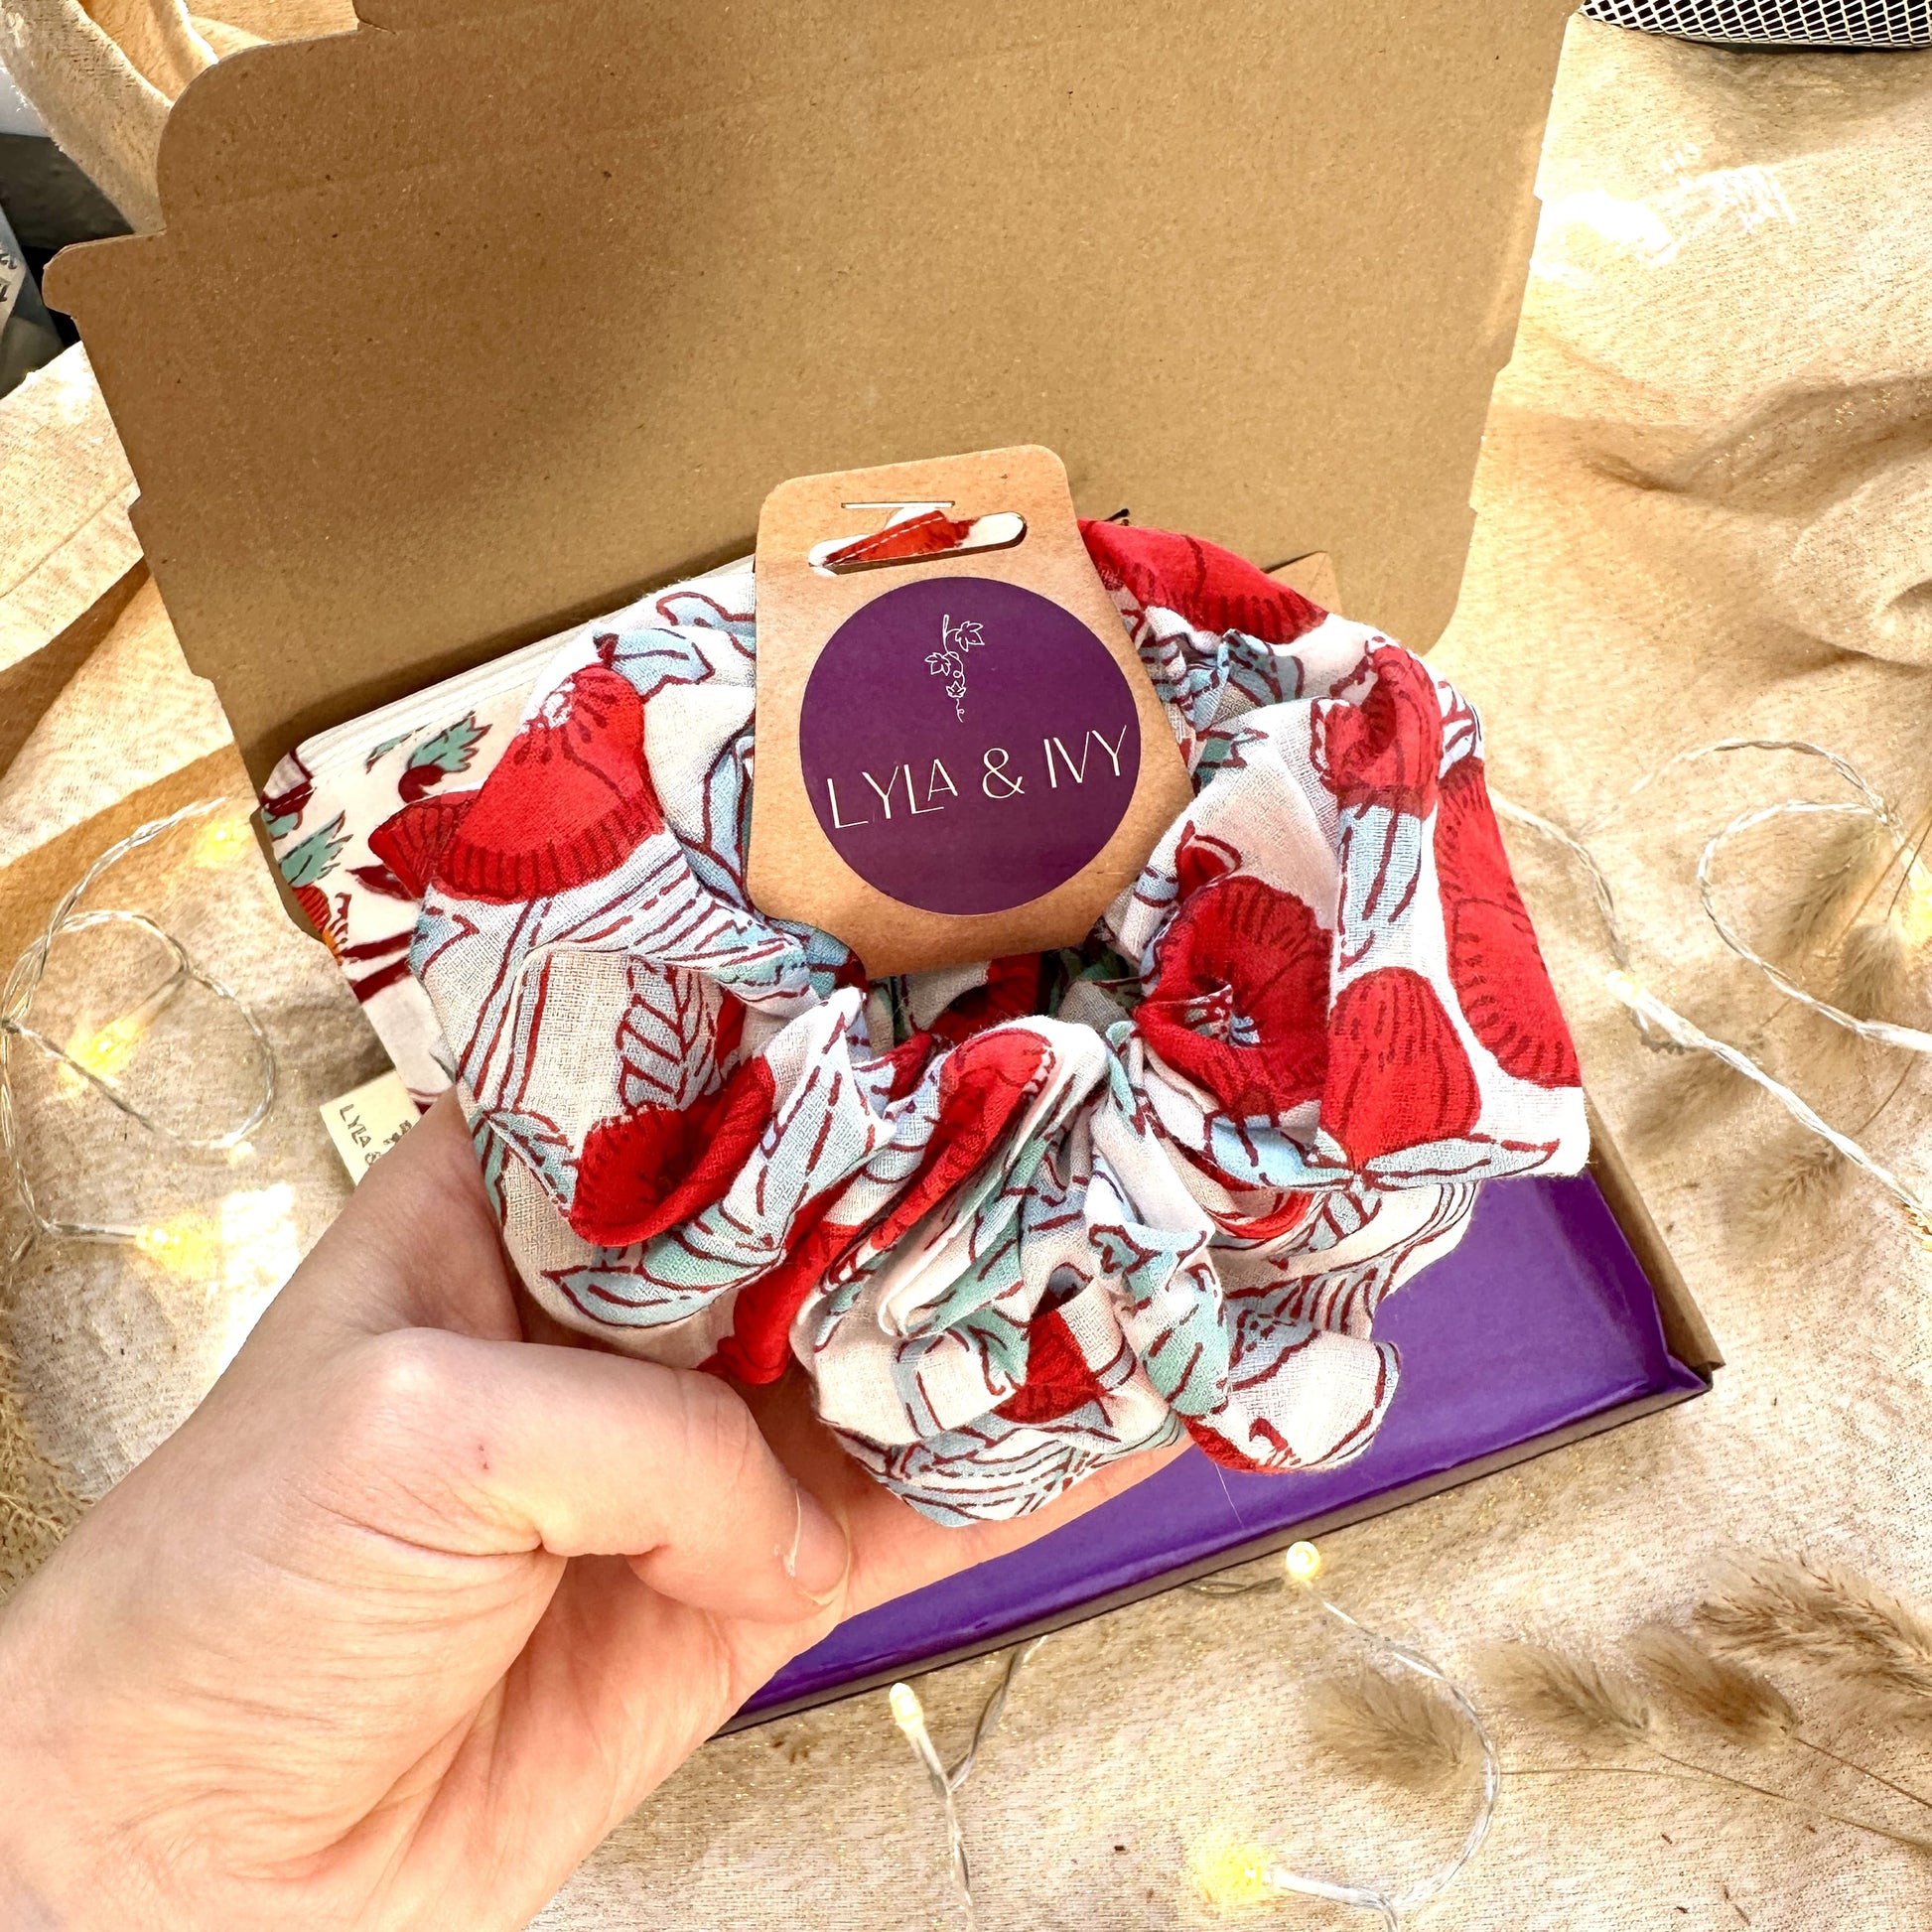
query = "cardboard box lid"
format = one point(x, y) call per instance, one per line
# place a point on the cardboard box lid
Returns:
point(496, 312)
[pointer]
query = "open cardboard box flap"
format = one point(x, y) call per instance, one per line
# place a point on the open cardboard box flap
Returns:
point(494, 313)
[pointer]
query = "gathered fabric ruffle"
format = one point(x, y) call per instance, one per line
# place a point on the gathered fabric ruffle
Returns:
point(1016, 1219)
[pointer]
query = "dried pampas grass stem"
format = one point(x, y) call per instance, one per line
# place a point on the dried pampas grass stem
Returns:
point(1392, 1729)
point(1746, 1708)
point(1858, 850)
point(1802, 1174)
point(1655, 1015)
point(1902, 878)
point(1828, 1619)
point(1575, 1698)
point(1697, 1774)
point(1873, 963)
point(1568, 1696)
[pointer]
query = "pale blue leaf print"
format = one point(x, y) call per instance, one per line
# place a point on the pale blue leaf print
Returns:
point(315, 856)
point(378, 753)
point(538, 1143)
point(452, 747)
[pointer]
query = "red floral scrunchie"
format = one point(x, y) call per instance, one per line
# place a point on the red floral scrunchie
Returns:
point(1017, 1219)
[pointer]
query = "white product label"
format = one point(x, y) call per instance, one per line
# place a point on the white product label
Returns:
point(368, 1122)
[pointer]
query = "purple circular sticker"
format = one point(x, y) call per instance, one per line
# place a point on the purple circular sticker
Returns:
point(967, 744)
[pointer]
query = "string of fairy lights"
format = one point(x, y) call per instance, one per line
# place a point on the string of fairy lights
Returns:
point(1908, 912)
point(93, 1059)
point(1229, 1872)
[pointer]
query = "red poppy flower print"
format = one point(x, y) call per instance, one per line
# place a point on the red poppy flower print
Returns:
point(569, 801)
point(1058, 1379)
point(1494, 962)
point(1398, 1076)
point(759, 1349)
point(1387, 750)
point(411, 842)
point(1200, 860)
point(1213, 588)
point(647, 1170)
point(985, 1086)
point(1240, 1004)
point(984, 1089)
point(1217, 1448)
point(1011, 991)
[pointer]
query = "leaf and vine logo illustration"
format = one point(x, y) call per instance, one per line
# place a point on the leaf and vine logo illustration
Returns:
point(949, 660)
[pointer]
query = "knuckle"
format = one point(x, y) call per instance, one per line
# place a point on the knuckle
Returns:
point(397, 1387)
point(389, 1428)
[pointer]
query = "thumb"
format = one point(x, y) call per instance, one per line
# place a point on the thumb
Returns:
point(478, 1448)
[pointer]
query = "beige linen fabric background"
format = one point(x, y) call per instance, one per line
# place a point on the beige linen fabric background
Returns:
point(1704, 513)
point(103, 74)
point(64, 488)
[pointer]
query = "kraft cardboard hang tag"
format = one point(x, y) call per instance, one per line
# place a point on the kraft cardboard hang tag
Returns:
point(959, 754)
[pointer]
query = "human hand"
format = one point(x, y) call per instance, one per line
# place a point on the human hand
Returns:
point(419, 1602)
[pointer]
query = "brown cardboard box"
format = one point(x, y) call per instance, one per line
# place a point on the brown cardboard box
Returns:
point(495, 312)
point(490, 314)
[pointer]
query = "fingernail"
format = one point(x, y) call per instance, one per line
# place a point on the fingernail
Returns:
point(818, 1556)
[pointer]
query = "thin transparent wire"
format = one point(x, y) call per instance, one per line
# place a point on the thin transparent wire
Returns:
point(23, 982)
point(1881, 1033)
point(996, 1709)
point(1387, 1904)
point(1869, 802)
point(1659, 1024)
point(1873, 799)
point(910, 1718)
point(1645, 1004)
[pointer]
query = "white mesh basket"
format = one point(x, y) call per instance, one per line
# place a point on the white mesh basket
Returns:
point(1777, 23)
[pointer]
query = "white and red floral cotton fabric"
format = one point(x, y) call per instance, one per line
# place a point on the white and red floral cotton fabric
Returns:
point(1015, 1220)
point(325, 799)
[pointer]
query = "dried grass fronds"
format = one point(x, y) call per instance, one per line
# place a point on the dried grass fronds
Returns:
point(1917, 1225)
point(1392, 1729)
point(37, 1506)
point(1690, 1090)
point(1569, 1696)
point(1875, 962)
point(1825, 1619)
point(1854, 856)
point(1748, 1709)
point(1802, 1175)
point(1704, 1082)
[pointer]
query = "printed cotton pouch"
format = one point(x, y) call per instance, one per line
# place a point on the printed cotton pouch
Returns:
point(1015, 1219)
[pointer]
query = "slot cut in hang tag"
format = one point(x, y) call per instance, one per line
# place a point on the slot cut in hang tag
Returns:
point(959, 754)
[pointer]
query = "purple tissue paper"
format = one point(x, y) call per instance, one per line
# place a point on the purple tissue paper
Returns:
point(1541, 1324)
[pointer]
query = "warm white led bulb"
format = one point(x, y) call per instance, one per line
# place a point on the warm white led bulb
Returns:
point(1303, 1563)
point(907, 1712)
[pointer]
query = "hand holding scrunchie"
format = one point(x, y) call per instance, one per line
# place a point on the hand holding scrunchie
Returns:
point(1019, 1219)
